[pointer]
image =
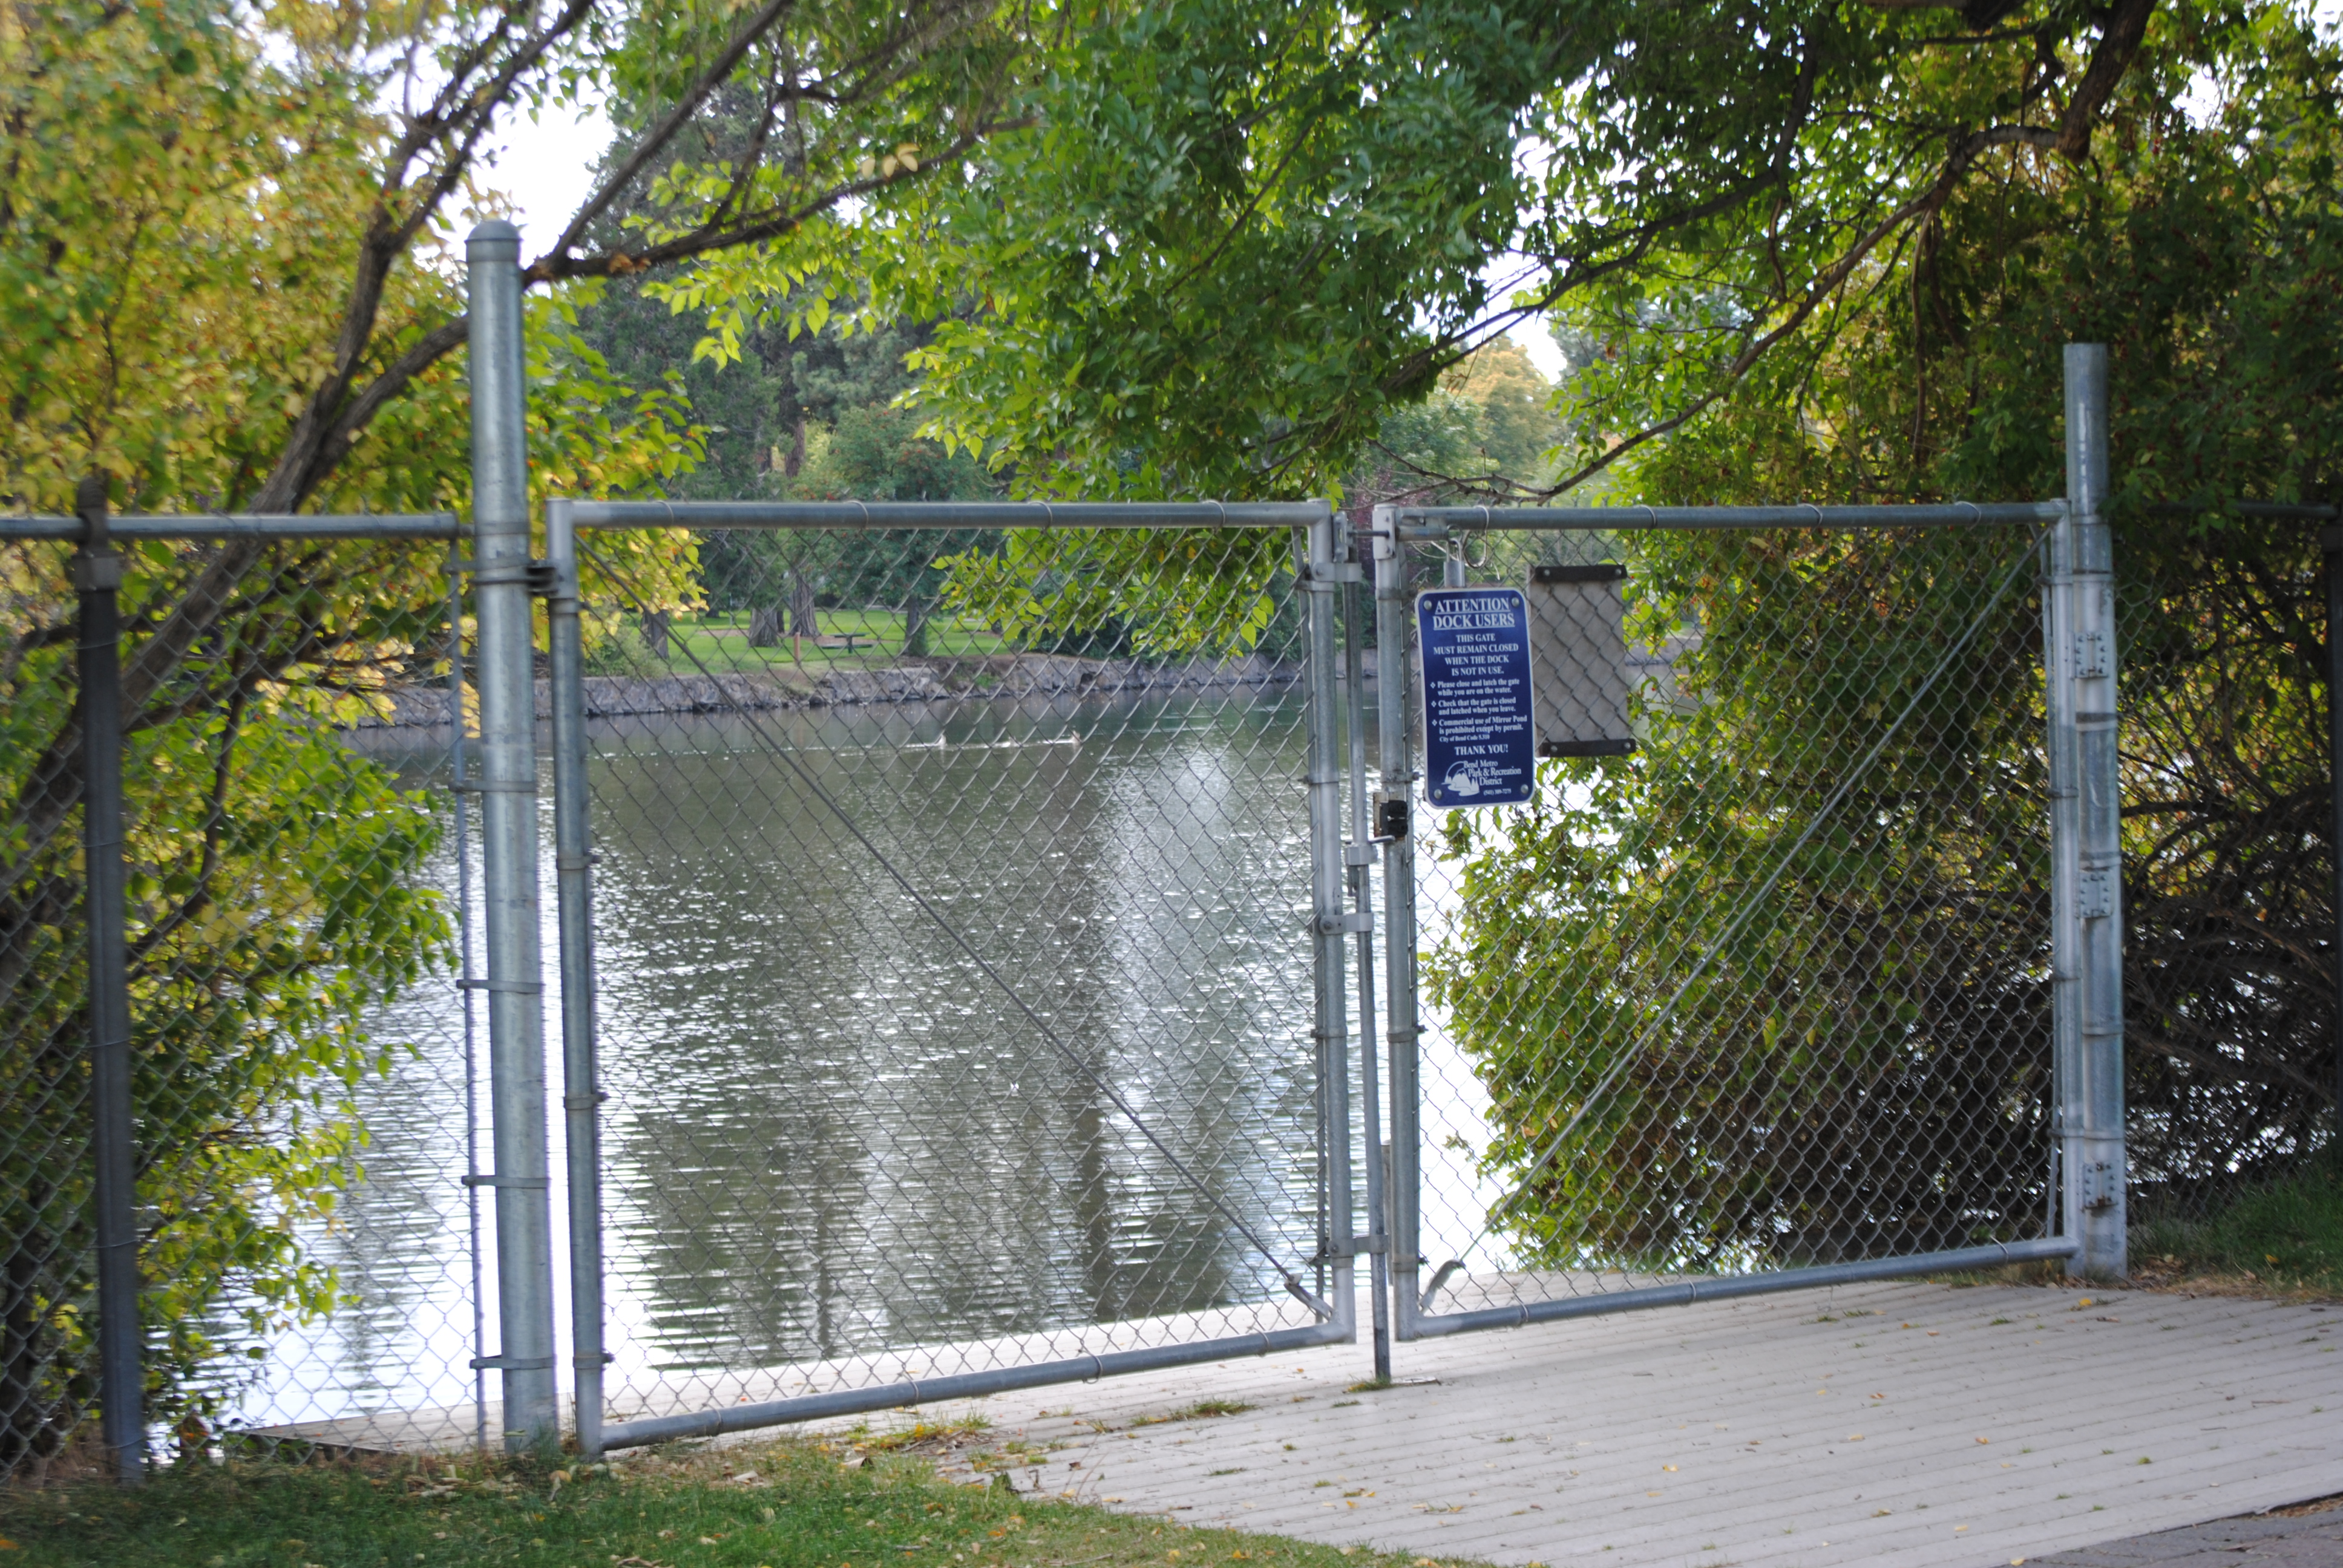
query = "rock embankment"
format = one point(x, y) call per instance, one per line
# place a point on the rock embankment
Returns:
point(912, 680)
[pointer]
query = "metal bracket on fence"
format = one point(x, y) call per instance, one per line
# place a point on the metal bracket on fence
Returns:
point(541, 578)
point(94, 573)
point(1556, 749)
point(509, 987)
point(512, 1364)
point(585, 1101)
point(533, 1182)
point(1600, 572)
point(1349, 923)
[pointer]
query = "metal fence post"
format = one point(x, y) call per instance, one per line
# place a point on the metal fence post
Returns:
point(1358, 856)
point(1395, 826)
point(581, 1094)
point(121, 1384)
point(2087, 915)
point(1321, 582)
point(507, 785)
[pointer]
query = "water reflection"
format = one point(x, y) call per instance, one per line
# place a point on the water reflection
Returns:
point(829, 1131)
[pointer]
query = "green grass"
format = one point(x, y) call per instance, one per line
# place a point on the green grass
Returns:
point(798, 1504)
point(1200, 1410)
point(2288, 1234)
point(720, 641)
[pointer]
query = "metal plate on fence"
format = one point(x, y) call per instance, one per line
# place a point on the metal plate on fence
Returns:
point(1480, 749)
point(1579, 649)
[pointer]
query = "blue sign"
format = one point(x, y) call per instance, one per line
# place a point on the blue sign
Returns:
point(1480, 748)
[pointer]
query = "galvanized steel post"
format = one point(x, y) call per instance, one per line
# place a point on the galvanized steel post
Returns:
point(506, 781)
point(1394, 828)
point(121, 1377)
point(1358, 856)
point(2087, 919)
point(1321, 581)
point(581, 1091)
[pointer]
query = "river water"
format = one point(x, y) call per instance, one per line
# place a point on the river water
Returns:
point(833, 1126)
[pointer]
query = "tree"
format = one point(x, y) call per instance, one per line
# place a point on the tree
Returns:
point(1484, 435)
point(1240, 232)
point(226, 239)
point(2201, 242)
point(1232, 237)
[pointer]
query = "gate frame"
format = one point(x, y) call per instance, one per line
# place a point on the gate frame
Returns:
point(582, 1095)
point(2079, 657)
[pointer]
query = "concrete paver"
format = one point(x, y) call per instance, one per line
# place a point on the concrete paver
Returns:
point(1907, 1425)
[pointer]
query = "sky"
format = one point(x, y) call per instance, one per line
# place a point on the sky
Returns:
point(547, 167)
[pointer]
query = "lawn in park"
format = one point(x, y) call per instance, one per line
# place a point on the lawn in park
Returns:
point(796, 1504)
point(717, 640)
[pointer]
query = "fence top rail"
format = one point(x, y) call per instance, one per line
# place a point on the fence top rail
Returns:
point(244, 526)
point(941, 514)
point(1437, 522)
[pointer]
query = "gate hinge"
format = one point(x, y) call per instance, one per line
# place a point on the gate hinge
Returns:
point(2090, 655)
point(2094, 896)
point(2098, 1187)
point(539, 579)
point(1355, 922)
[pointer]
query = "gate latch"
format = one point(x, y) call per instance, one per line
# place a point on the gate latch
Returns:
point(1390, 818)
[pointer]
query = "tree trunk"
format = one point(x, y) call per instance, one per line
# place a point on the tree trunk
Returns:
point(765, 627)
point(915, 626)
point(657, 623)
point(802, 622)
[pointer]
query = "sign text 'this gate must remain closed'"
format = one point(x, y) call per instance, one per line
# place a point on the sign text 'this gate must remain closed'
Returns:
point(1479, 743)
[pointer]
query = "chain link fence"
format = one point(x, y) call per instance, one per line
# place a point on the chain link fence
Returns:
point(2229, 883)
point(296, 1038)
point(1759, 978)
point(953, 982)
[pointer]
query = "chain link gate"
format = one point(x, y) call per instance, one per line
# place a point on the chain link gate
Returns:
point(1803, 966)
point(944, 1022)
point(1755, 989)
